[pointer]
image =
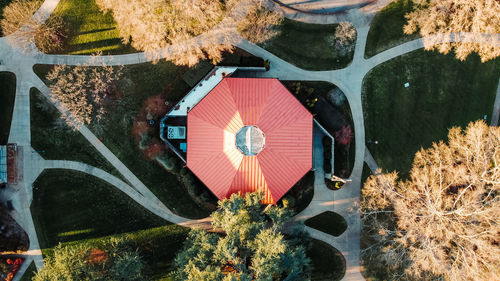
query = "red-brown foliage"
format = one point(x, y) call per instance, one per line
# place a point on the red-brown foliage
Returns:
point(155, 106)
point(154, 150)
point(13, 265)
point(97, 256)
point(140, 127)
point(344, 136)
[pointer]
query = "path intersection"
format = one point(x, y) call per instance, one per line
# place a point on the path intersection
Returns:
point(349, 79)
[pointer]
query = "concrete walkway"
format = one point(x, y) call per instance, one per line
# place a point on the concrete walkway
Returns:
point(496, 108)
point(372, 164)
point(311, 12)
point(344, 201)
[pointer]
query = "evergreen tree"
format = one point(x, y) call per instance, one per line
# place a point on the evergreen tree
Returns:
point(253, 246)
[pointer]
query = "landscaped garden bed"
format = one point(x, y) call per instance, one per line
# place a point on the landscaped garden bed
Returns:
point(12, 236)
point(443, 92)
point(7, 97)
point(327, 262)
point(331, 109)
point(328, 222)
point(300, 195)
point(9, 268)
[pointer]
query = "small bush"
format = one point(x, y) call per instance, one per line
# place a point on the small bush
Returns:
point(166, 162)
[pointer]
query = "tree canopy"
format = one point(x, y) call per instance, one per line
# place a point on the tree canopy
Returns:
point(253, 246)
point(443, 220)
point(113, 260)
point(25, 29)
point(150, 25)
point(82, 90)
point(437, 19)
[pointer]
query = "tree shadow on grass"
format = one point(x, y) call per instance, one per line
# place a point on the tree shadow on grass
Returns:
point(95, 31)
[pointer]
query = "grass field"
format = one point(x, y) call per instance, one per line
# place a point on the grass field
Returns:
point(386, 30)
point(55, 140)
point(328, 222)
point(94, 210)
point(443, 92)
point(29, 273)
point(308, 46)
point(138, 83)
point(91, 30)
point(366, 173)
point(7, 98)
point(328, 263)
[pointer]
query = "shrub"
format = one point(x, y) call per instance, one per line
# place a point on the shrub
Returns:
point(345, 37)
point(336, 96)
point(344, 136)
point(166, 162)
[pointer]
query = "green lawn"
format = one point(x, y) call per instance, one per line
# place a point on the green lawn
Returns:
point(138, 83)
point(386, 30)
point(443, 92)
point(91, 31)
point(29, 273)
point(70, 207)
point(366, 173)
point(7, 97)
point(328, 222)
point(55, 140)
point(308, 46)
point(328, 263)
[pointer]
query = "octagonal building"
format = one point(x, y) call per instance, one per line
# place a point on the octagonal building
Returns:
point(249, 134)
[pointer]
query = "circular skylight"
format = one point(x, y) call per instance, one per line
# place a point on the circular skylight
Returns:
point(250, 140)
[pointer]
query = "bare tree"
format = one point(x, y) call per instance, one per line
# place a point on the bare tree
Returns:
point(151, 25)
point(345, 37)
point(26, 30)
point(442, 221)
point(437, 19)
point(260, 24)
point(82, 90)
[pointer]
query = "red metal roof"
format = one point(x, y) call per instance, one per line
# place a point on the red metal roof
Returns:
point(237, 102)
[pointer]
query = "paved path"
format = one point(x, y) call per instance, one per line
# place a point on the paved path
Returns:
point(496, 108)
point(372, 164)
point(156, 208)
point(357, 16)
point(323, 6)
point(344, 201)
